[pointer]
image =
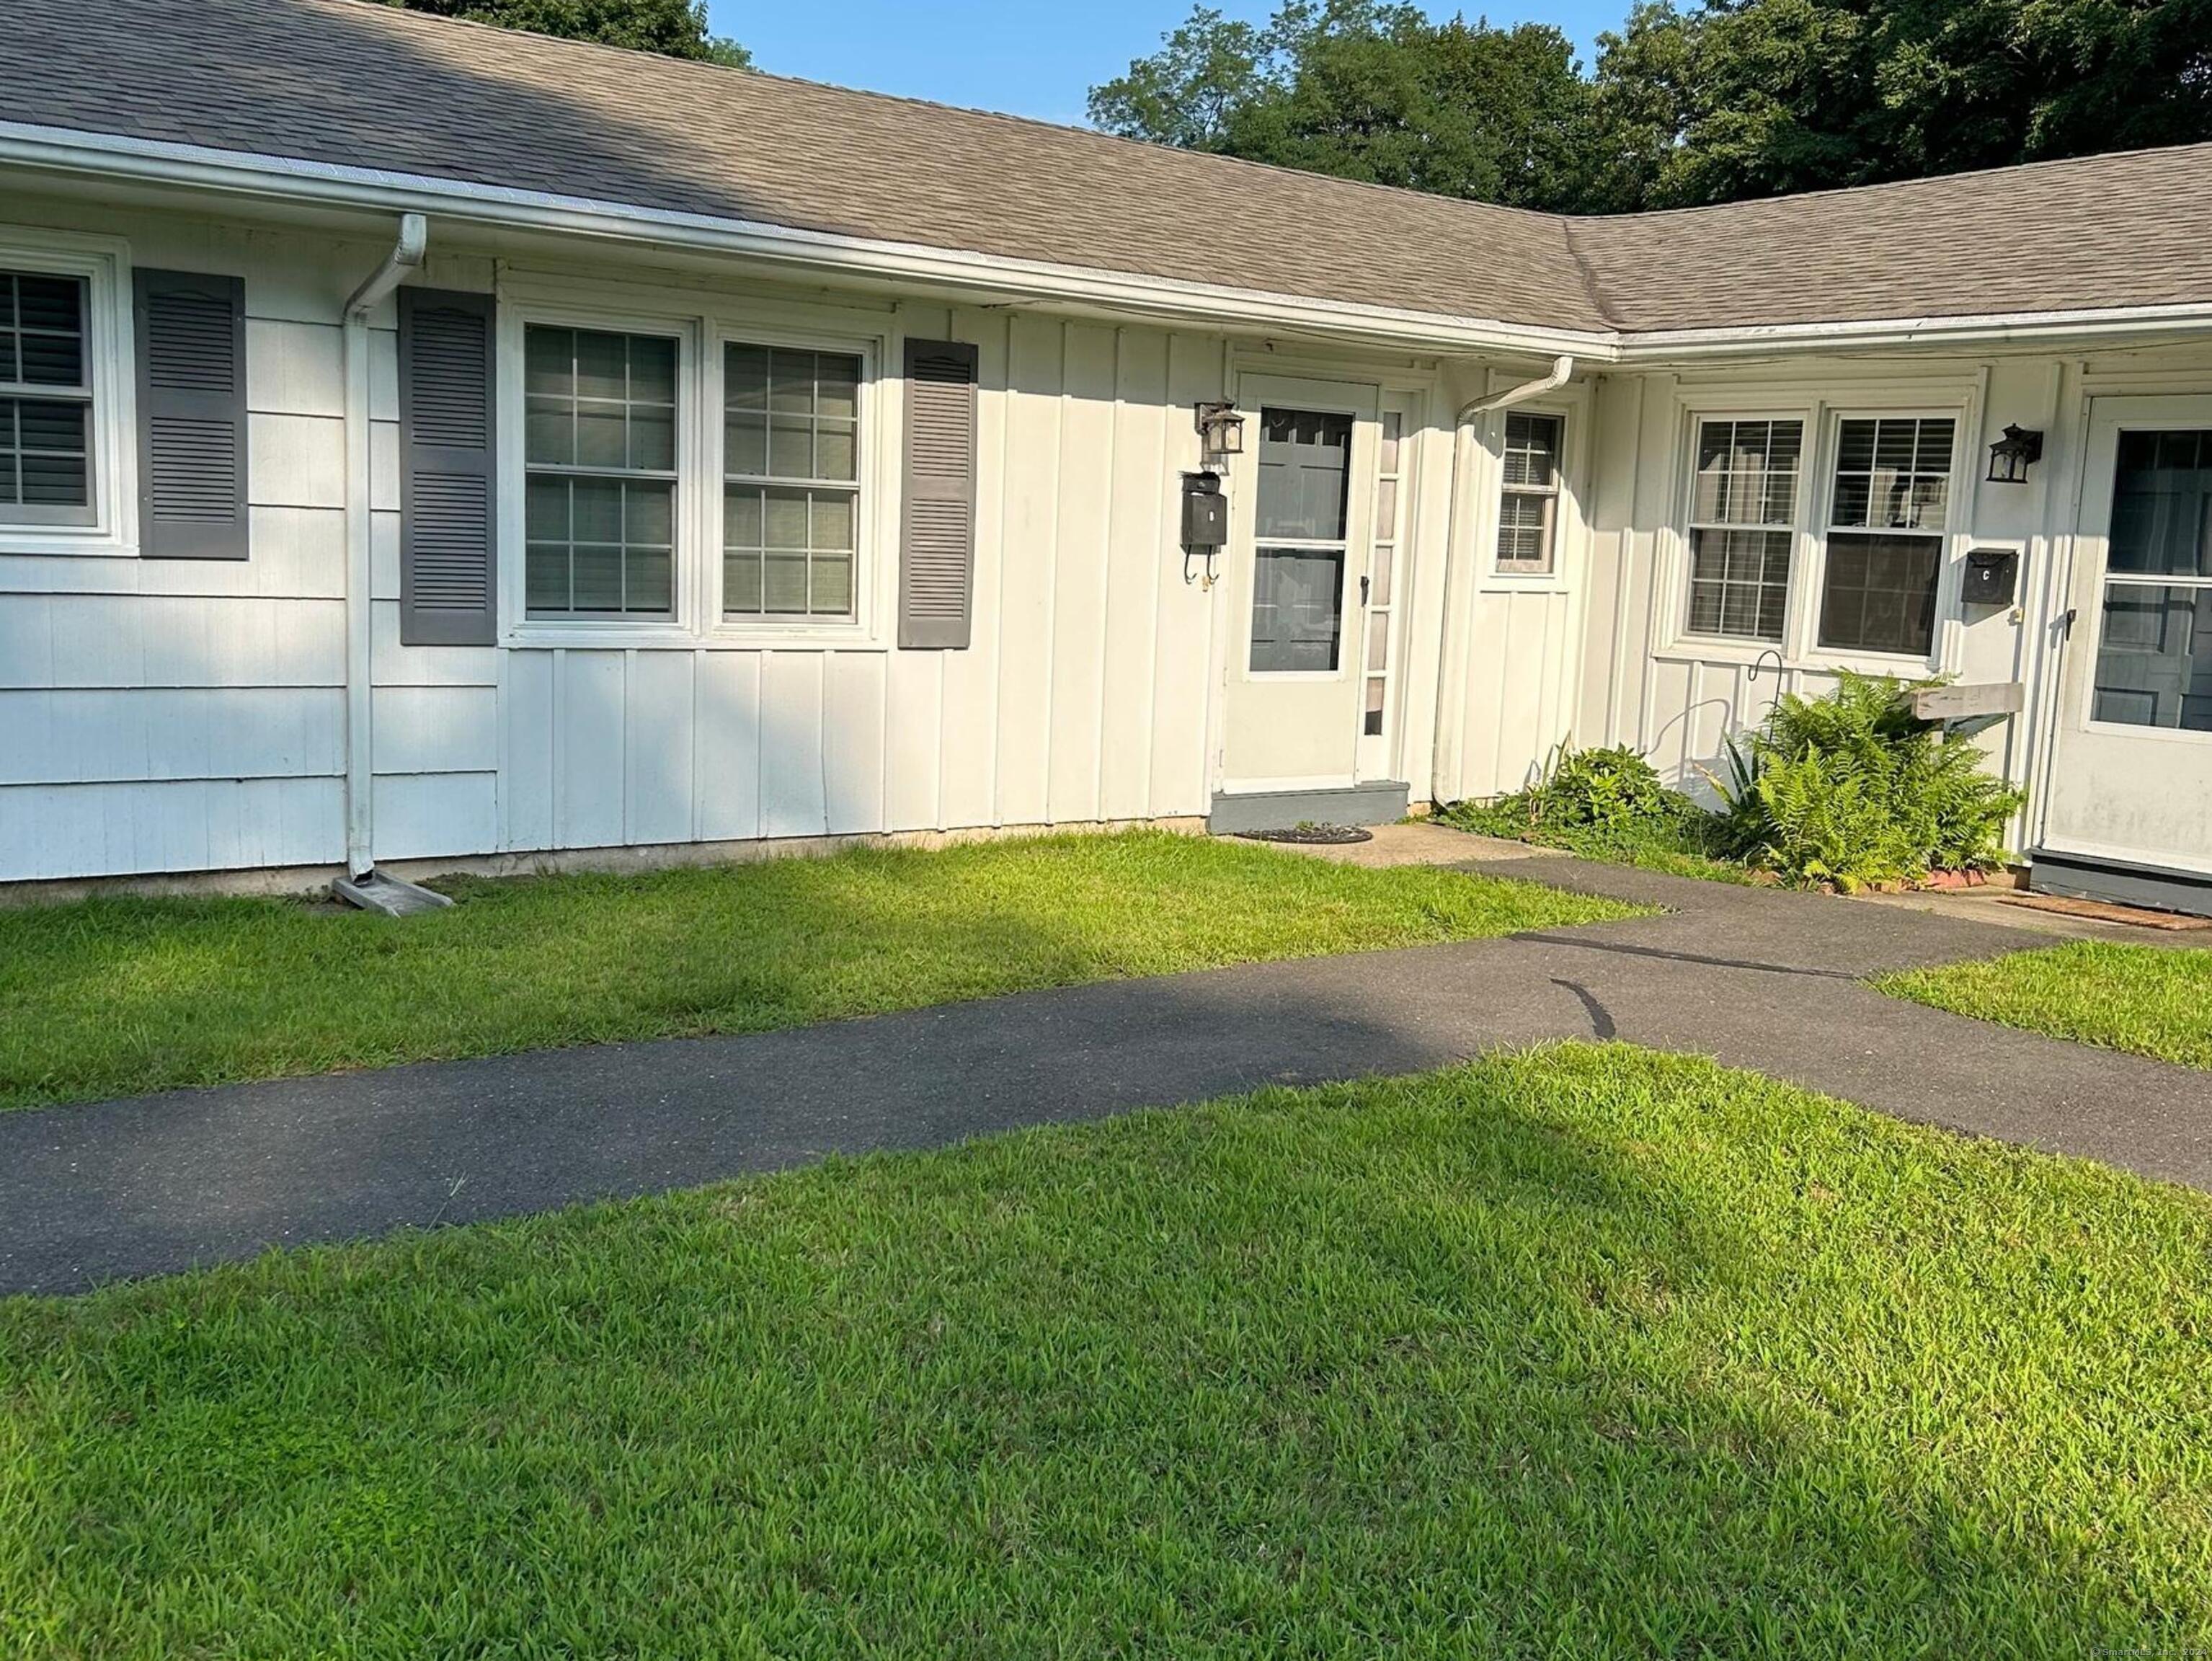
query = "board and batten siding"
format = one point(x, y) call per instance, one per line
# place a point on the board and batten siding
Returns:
point(1081, 699)
point(189, 714)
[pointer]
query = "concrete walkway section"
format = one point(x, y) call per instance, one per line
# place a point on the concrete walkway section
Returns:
point(1756, 978)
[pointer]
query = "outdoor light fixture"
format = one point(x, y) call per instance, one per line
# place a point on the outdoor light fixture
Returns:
point(2011, 456)
point(1221, 428)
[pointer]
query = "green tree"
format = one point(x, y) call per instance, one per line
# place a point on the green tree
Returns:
point(1369, 91)
point(1747, 98)
point(1725, 99)
point(677, 28)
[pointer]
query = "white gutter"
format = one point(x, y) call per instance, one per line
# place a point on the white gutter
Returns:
point(405, 256)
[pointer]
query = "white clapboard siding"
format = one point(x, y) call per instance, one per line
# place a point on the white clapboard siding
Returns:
point(89, 736)
point(197, 824)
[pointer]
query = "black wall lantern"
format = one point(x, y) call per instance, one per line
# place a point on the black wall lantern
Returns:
point(2011, 456)
point(1221, 430)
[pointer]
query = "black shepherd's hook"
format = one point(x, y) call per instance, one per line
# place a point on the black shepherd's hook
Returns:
point(1752, 679)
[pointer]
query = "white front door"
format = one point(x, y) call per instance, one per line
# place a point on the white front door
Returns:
point(1303, 525)
point(2131, 773)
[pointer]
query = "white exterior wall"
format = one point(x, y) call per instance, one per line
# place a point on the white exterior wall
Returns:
point(190, 714)
point(174, 716)
point(1642, 683)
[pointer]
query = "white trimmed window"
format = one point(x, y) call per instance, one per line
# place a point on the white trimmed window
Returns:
point(599, 418)
point(1528, 502)
point(47, 473)
point(1743, 515)
point(1887, 519)
point(790, 491)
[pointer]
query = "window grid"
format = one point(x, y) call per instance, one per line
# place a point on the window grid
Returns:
point(1743, 515)
point(599, 452)
point(45, 399)
point(1884, 557)
point(791, 481)
point(1527, 508)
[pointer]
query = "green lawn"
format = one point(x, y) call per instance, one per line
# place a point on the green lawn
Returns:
point(115, 996)
point(1585, 1353)
point(2149, 1000)
point(1682, 844)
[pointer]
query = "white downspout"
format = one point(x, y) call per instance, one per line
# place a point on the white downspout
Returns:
point(1444, 760)
point(405, 256)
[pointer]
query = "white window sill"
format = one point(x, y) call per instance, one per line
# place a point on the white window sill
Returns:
point(542, 636)
point(1690, 648)
point(54, 541)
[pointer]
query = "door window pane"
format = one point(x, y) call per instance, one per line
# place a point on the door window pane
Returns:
point(2162, 505)
point(2154, 656)
point(1297, 609)
point(1305, 469)
point(2155, 640)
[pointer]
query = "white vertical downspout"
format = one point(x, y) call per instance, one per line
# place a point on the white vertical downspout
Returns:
point(405, 256)
point(1460, 555)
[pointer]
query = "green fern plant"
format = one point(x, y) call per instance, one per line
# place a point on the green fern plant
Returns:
point(1852, 790)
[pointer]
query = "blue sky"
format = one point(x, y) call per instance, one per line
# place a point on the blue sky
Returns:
point(1029, 57)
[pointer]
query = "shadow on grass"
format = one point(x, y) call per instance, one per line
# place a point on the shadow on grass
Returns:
point(1586, 1354)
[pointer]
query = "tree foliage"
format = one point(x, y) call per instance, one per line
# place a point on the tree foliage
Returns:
point(1369, 91)
point(677, 28)
point(1726, 99)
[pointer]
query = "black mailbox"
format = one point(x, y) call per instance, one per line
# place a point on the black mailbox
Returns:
point(1205, 513)
point(1992, 576)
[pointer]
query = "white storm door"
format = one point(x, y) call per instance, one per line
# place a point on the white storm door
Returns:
point(1303, 513)
point(2132, 772)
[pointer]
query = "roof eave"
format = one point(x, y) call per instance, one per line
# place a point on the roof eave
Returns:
point(997, 279)
point(987, 277)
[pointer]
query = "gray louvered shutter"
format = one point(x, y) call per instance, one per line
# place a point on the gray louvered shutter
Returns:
point(192, 415)
point(937, 549)
point(448, 554)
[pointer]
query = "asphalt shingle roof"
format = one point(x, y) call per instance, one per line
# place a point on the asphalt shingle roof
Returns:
point(356, 84)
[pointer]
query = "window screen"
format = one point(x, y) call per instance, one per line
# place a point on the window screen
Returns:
point(1297, 580)
point(1741, 514)
point(599, 416)
point(791, 489)
point(46, 401)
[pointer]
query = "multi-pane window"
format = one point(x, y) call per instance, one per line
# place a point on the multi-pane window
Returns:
point(1742, 514)
point(791, 481)
point(1529, 508)
point(600, 445)
point(46, 401)
point(1885, 545)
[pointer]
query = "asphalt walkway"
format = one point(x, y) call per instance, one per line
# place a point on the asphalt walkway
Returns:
point(1754, 977)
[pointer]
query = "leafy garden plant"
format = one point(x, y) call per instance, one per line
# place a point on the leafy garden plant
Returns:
point(1854, 790)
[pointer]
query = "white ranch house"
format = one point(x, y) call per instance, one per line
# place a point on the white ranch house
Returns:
point(423, 447)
